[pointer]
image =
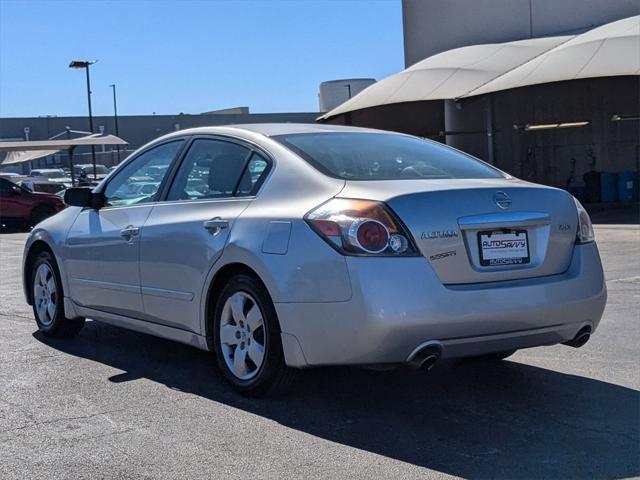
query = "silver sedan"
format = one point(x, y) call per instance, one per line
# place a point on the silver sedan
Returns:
point(281, 247)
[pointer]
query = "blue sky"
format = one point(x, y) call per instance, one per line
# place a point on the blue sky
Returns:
point(190, 56)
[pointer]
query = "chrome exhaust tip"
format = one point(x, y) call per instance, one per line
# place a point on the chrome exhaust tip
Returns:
point(580, 339)
point(426, 355)
point(429, 362)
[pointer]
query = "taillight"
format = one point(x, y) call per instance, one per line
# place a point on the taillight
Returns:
point(361, 227)
point(585, 232)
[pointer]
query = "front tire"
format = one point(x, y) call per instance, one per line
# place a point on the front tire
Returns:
point(246, 336)
point(48, 299)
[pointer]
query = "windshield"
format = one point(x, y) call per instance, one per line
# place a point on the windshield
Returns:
point(384, 156)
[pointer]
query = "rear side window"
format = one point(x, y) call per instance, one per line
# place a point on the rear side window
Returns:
point(256, 168)
point(384, 156)
point(211, 169)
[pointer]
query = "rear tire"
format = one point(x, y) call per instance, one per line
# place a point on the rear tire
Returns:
point(491, 357)
point(39, 214)
point(246, 338)
point(48, 300)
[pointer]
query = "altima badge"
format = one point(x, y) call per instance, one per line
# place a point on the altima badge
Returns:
point(438, 234)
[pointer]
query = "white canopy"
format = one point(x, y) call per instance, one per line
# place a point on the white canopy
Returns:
point(24, 156)
point(610, 50)
point(24, 151)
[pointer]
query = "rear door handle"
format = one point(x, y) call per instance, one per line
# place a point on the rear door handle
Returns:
point(215, 225)
point(129, 232)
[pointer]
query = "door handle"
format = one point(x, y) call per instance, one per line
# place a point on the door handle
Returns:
point(129, 232)
point(215, 225)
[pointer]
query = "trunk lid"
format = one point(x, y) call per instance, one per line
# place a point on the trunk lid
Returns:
point(456, 223)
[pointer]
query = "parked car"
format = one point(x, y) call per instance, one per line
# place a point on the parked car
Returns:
point(42, 185)
point(86, 171)
point(53, 175)
point(145, 188)
point(47, 172)
point(11, 176)
point(319, 245)
point(156, 171)
point(23, 208)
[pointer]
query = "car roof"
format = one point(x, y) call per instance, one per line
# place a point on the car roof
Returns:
point(273, 129)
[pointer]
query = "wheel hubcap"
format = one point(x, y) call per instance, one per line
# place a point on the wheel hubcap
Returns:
point(242, 335)
point(45, 295)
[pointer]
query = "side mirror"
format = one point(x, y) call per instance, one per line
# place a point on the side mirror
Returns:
point(83, 197)
point(16, 190)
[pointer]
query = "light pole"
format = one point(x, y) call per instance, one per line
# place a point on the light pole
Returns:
point(86, 64)
point(115, 116)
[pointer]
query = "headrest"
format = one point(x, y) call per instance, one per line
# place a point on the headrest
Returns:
point(223, 173)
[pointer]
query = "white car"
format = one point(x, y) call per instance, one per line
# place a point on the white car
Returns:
point(319, 245)
point(51, 175)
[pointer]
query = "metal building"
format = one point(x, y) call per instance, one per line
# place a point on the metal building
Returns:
point(548, 109)
point(135, 129)
point(334, 92)
point(434, 26)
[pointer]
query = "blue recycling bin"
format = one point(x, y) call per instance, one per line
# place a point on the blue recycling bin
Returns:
point(609, 187)
point(628, 186)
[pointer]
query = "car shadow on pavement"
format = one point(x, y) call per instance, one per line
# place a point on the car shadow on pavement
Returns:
point(506, 420)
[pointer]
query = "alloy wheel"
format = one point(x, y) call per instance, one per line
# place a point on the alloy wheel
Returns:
point(45, 294)
point(242, 335)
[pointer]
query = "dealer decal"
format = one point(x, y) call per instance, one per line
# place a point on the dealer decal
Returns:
point(492, 244)
point(442, 255)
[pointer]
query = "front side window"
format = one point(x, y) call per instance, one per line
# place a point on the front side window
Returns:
point(384, 156)
point(139, 181)
point(211, 169)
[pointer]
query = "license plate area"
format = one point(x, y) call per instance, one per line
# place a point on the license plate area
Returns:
point(503, 247)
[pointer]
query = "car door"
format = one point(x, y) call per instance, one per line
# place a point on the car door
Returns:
point(12, 203)
point(102, 246)
point(185, 235)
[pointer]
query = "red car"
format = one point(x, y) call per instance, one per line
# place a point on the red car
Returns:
point(20, 207)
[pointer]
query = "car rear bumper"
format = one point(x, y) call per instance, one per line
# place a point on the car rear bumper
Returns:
point(399, 304)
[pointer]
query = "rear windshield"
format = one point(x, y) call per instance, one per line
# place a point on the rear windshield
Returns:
point(384, 156)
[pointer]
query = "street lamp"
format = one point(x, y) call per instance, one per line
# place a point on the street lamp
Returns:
point(85, 65)
point(115, 116)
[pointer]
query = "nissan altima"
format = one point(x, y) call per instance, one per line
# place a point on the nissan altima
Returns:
point(280, 247)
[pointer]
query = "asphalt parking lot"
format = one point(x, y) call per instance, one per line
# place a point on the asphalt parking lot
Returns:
point(118, 404)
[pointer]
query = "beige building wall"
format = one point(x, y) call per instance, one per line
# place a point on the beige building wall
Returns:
point(433, 26)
